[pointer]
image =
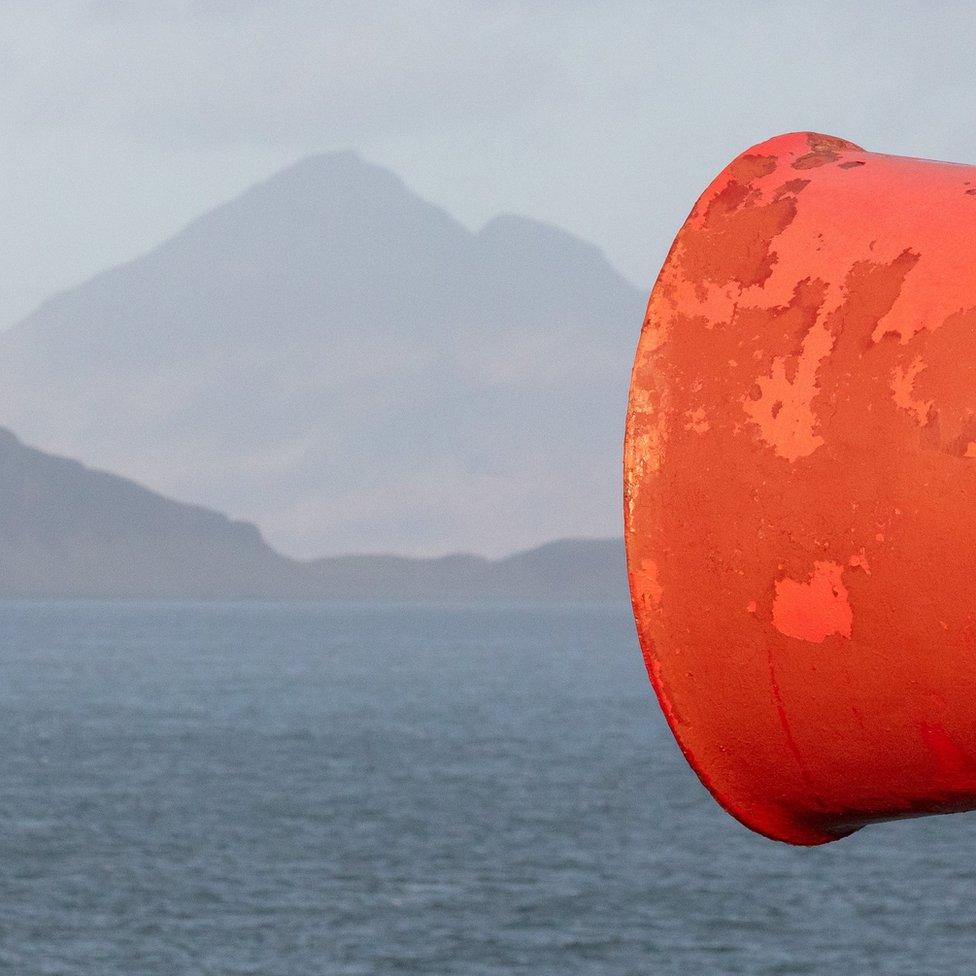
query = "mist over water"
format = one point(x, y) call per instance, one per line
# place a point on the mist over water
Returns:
point(304, 789)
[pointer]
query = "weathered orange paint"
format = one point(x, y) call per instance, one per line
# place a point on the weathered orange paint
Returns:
point(800, 487)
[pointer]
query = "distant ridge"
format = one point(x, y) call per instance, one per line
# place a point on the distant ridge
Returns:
point(567, 570)
point(69, 531)
point(343, 363)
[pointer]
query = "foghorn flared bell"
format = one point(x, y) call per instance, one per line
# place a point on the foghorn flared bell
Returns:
point(800, 487)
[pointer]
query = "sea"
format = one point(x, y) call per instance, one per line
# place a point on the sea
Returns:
point(275, 788)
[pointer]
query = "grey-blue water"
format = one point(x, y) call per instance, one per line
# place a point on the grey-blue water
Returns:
point(286, 789)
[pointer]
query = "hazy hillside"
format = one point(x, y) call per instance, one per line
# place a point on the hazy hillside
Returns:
point(335, 359)
point(66, 530)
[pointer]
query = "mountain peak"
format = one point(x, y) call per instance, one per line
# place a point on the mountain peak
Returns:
point(335, 358)
point(333, 179)
point(342, 165)
point(334, 201)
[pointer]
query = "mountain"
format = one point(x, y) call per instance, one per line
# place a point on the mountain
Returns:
point(346, 365)
point(69, 531)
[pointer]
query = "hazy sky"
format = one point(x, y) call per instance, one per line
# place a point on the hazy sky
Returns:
point(121, 120)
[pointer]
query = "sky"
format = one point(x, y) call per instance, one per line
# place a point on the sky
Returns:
point(120, 120)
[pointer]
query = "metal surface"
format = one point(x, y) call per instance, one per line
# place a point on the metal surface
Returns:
point(800, 488)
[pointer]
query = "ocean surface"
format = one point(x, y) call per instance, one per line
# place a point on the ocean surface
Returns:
point(292, 789)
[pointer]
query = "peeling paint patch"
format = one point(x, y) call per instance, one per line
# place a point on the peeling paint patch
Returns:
point(751, 167)
point(733, 244)
point(814, 610)
point(948, 380)
point(890, 284)
point(814, 159)
point(645, 442)
point(790, 186)
point(823, 150)
point(781, 403)
point(902, 390)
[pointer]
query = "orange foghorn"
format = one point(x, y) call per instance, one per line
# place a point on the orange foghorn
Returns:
point(800, 488)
